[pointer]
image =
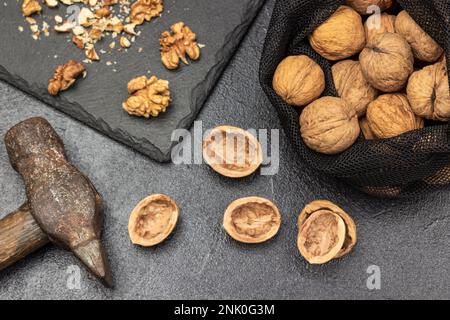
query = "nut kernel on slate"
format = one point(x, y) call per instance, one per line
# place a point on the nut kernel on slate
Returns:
point(153, 220)
point(252, 220)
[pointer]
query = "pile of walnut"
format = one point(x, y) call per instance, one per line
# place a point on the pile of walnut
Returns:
point(381, 93)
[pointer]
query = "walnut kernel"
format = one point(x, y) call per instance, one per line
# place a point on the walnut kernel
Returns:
point(149, 97)
point(252, 220)
point(232, 152)
point(153, 220)
point(145, 10)
point(340, 36)
point(30, 7)
point(363, 6)
point(329, 126)
point(298, 80)
point(64, 76)
point(176, 44)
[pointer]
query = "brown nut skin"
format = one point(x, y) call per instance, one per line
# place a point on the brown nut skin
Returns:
point(362, 5)
point(387, 62)
point(428, 92)
point(252, 220)
point(352, 86)
point(298, 80)
point(329, 126)
point(378, 24)
point(423, 46)
point(365, 129)
point(390, 115)
point(325, 205)
point(153, 220)
point(340, 36)
point(245, 158)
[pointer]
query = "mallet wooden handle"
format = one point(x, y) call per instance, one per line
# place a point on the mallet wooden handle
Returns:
point(19, 236)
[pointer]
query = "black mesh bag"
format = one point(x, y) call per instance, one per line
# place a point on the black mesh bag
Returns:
point(397, 167)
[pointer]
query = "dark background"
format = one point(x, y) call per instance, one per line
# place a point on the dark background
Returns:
point(407, 239)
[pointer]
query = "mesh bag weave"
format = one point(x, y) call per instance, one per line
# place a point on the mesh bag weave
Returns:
point(403, 166)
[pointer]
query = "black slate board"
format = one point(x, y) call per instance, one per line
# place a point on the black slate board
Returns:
point(96, 100)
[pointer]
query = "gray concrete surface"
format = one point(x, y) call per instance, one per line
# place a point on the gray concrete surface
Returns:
point(407, 240)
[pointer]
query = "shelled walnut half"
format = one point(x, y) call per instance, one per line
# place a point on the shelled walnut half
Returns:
point(232, 152)
point(252, 220)
point(65, 75)
point(153, 220)
point(30, 7)
point(145, 10)
point(178, 43)
point(149, 97)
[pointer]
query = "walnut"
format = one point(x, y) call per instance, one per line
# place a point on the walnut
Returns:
point(377, 24)
point(365, 129)
point(352, 86)
point(232, 152)
point(176, 44)
point(428, 92)
point(30, 7)
point(252, 220)
point(153, 220)
point(390, 115)
point(145, 10)
point(148, 98)
point(339, 37)
point(64, 76)
point(363, 6)
point(423, 46)
point(387, 61)
point(298, 80)
point(328, 211)
point(329, 126)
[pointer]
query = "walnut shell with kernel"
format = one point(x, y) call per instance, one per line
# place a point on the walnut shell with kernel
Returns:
point(428, 92)
point(363, 6)
point(390, 115)
point(378, 24)
point(340, 36)
point(298, 80)
point(352, 86)
point(423, 46)
point(329, 126)
point(387, 62)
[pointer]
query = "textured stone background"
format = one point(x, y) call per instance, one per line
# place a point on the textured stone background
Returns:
point(408, 240)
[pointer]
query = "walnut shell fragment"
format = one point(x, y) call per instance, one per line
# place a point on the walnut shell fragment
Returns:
point(232, 152)
point(428, 92)
point(341, 36)
point(378, 24)
point(387, 62)
point(298, 80)
point(390, 115)
point(352, 86)
point(149, 97)
point(65, 75)
point(423, 46)
point(153, 220)
point(145, 10)
point(329, 126)
point(30, 7)
point(364, 6)
point(252, 220)
point(178, 43)
point(328, 206)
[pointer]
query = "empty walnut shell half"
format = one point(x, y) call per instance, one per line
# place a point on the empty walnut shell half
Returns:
point(328, 206)
point(428, 92)
point(153, 220)
point(390, 115)
point(298, 80)
point(363, 6)
point(252, 220)
point(387, 62)
point(232, 152)
point(340, 36)
point(378, 24)
point(423, 46)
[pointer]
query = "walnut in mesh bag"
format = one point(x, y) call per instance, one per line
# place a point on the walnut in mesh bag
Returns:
point(367, 6)
point(176, 44)
point(65, 75)
point(149, 97)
